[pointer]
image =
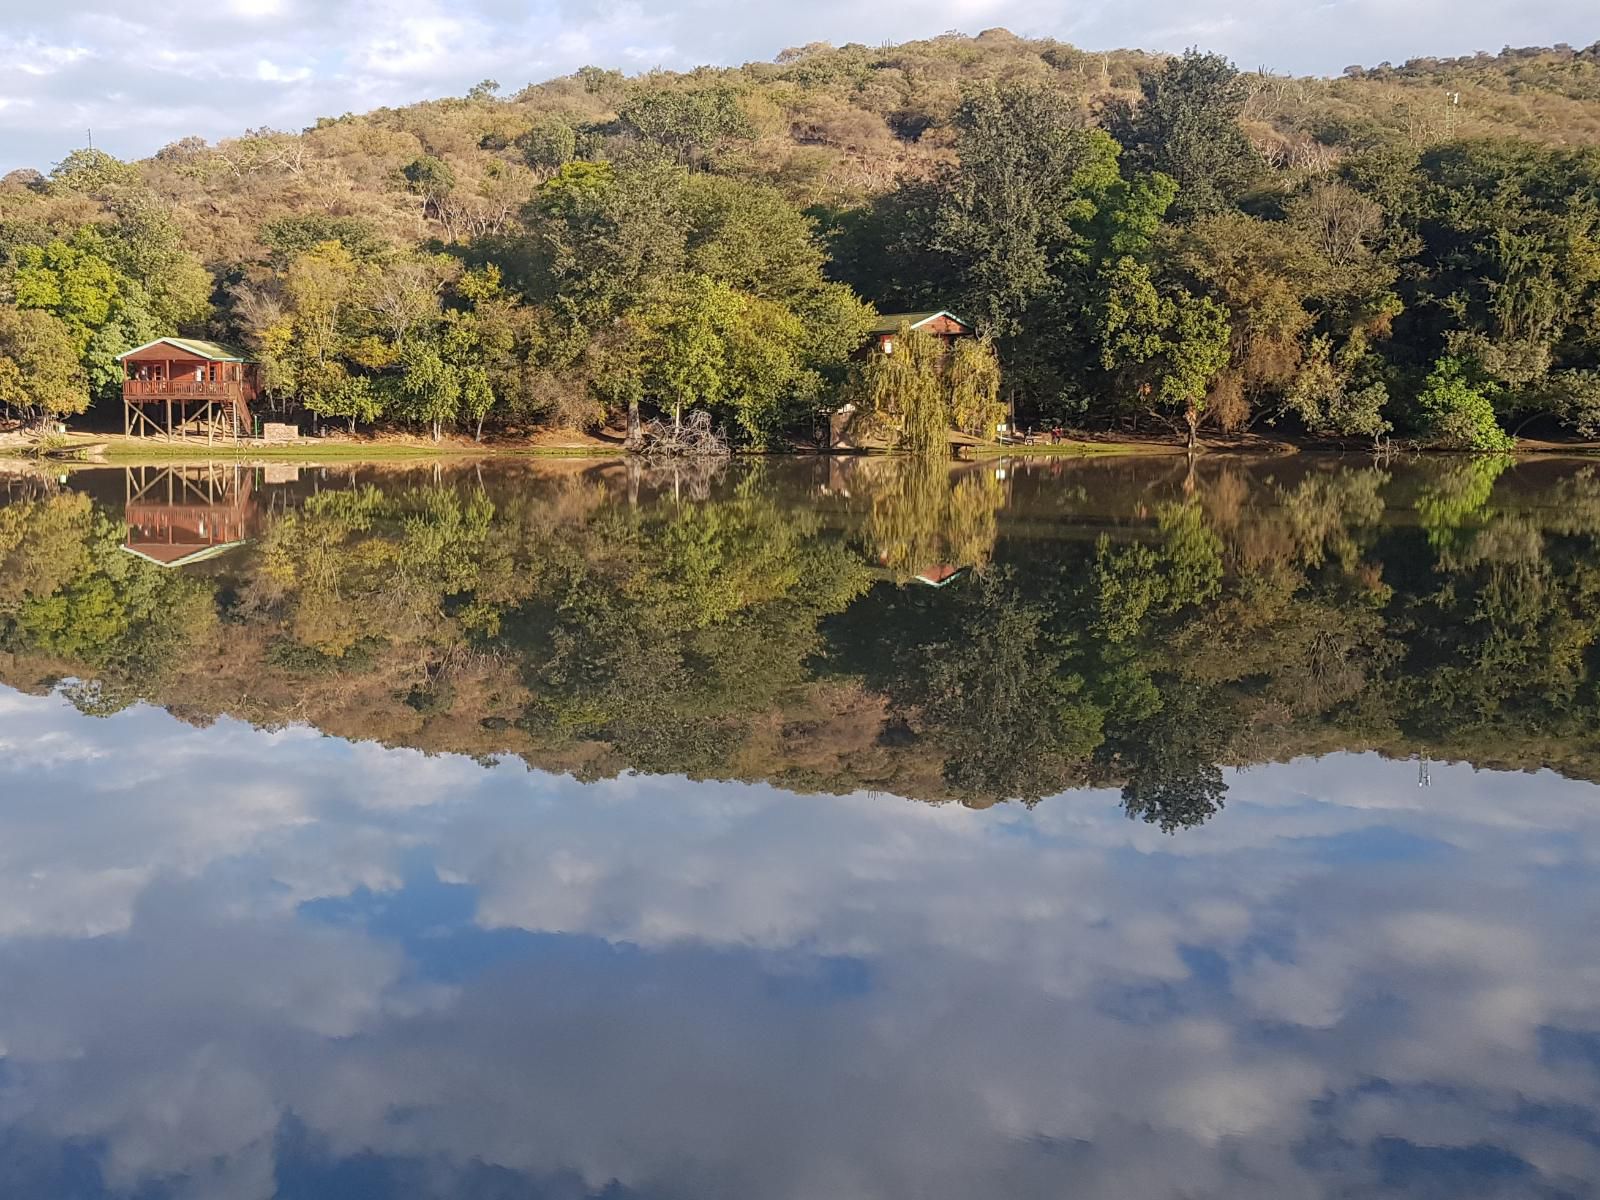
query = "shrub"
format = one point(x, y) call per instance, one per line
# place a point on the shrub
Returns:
point(1457, 413)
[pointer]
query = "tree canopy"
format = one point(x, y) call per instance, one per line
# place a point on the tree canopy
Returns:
point(1144, 240)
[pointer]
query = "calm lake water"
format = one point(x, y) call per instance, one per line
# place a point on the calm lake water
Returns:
point(812, 829)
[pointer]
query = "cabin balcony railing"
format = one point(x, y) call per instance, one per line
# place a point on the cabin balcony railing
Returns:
point(182, 389)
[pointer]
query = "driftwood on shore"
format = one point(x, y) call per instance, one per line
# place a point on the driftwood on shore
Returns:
point(693, 437)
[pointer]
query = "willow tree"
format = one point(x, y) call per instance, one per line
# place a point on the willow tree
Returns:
point(974, 381)
point(906, 392)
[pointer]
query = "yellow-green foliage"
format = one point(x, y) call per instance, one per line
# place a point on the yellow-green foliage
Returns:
point(40, 373)
point(974, 372)
point(925, 516)
point(906, 392)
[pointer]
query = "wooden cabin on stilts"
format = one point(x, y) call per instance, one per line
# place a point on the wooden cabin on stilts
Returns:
point(178, 388)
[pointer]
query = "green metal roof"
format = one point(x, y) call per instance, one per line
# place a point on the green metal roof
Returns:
point(213, 351)
point(891, 322)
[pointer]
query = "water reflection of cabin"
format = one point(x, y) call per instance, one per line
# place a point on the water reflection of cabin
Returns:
point(182, 515)
point(181, 387)
point(939, 574)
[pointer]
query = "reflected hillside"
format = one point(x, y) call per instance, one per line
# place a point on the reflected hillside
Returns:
point(974, 633)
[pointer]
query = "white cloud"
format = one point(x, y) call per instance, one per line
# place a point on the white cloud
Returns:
point(271, 72)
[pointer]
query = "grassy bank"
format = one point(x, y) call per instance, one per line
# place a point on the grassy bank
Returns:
point(117, 450)
point(125, 451)
point(1071, 449)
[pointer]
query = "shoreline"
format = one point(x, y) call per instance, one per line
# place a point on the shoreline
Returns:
point(84, 449)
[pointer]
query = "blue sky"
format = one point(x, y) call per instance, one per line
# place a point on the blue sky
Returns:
point(142, 73)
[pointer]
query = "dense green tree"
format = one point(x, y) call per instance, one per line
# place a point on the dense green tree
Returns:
point(1329, 403)
point(352, 398)
point(690, 290)
point(1186, 125)
point(549, 144)
point(41, 374)
point(486, 340)
point(1165, 347)
point(72, 281)
point(689, 123)
point(429, 389)
point(100, 308)
point(600, 237)
point(91, 171)
point(305, 333)
point(1005, 211)
point(431, 179)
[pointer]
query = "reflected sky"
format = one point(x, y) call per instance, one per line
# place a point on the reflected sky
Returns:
point(243, 963)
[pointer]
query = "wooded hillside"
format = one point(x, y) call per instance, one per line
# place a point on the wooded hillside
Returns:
point(1140, 237)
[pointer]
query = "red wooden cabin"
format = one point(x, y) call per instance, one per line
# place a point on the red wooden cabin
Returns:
point(844, 432)
point(944, 325)
point(175, 387)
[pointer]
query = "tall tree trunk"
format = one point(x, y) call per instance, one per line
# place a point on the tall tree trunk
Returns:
point(635, 430)
point(1192, 415)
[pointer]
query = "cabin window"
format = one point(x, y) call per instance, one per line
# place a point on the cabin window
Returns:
point(888, 345)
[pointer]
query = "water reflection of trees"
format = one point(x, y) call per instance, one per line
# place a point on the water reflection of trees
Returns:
point(928, 522)
point(594, 626)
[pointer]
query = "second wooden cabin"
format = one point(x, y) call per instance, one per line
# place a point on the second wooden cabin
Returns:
point(942, 324)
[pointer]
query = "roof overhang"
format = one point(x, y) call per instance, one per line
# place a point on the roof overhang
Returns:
point(934, 579)
point(186, 347)
point(891, 322)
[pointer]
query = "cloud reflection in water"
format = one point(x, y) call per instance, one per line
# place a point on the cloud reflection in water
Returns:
point(238, 963)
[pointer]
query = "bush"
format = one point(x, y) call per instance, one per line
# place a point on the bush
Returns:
point(1458, 414)
point(1330, 405)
